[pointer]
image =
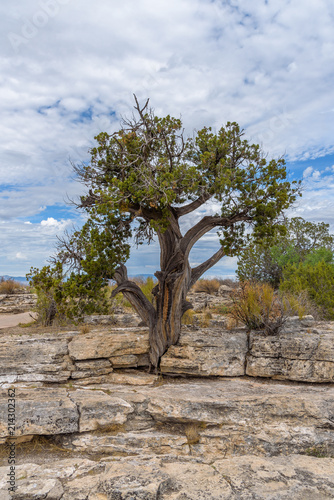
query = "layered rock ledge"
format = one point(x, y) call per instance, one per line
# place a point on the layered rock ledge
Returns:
point(223, 417)
point(303, 351)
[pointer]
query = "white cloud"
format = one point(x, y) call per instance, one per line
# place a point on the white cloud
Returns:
point(20, 256)
point(51, 222)
point(307, 172)
point(316, 175)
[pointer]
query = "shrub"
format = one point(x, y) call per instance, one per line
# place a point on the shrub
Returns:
point(317, 280)
point(207, 286)
point(258, 307)
point(302, 241)
point(9, 286)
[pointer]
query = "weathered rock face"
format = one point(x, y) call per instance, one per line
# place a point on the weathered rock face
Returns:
point(247, 478)
point(40, 412)
point(35, 358)
point(203, 438)
point(63, 356)
point(204, 418)
point(17, 303)
point(116, 345)
point(297, 353)
point(207, 352)
point(55, 411)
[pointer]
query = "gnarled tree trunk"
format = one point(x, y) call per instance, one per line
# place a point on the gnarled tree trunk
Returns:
point(175, 278)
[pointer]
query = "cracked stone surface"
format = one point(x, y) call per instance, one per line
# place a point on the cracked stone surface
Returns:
point(303, 352)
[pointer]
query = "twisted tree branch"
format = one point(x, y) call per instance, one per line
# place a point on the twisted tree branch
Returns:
point(134, 295)
point(180, 211)
point(197, 272)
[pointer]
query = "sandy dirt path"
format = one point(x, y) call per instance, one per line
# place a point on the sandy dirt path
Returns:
point(8, 320)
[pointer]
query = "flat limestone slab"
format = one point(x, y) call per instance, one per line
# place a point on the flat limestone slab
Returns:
point(218, 418)
point(39, 411)
point(120, 342)
point(295, 477)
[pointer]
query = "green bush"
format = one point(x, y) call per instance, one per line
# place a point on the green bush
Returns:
point(317, 279)
point(59, 299)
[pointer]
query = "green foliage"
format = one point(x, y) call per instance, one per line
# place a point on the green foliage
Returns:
point(147, 167)
point(315, 278)
point(301, 241)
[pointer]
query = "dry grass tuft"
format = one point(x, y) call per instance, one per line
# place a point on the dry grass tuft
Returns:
point(9, 286)
point(192, 432)
point(84, 328)
point(205, 319)
point(207, 286)
point(189, 317)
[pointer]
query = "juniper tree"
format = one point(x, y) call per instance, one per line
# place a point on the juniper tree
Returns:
point(301, 241)
point(141, 181)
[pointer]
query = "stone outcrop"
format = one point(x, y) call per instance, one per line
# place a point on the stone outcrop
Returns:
point(128, 434)
point(202, 300)
point(35, 358)
point(299, 353)
point(58, 357)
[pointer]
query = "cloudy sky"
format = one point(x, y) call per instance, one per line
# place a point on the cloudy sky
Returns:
point(69, 69)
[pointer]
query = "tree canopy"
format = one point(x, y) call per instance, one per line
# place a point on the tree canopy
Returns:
point(142, 179)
